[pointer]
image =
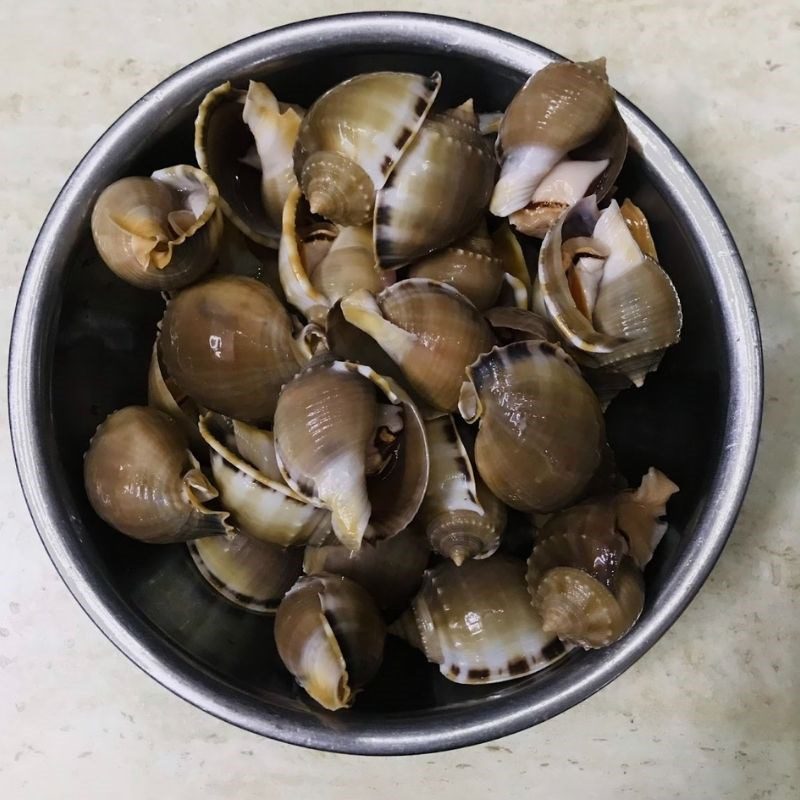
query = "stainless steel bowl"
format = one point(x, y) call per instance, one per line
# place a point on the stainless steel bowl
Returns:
point(80, 345)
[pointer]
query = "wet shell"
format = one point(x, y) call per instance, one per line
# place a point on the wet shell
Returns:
point(251, 488)
point(476, 621)
point(252, 574)
point(588, 591)
point(467, 265)
point(329, 428)
point(142, 479)
point(244, 141)
point(390, 570)
point(353, 136)
point(461, 517)
point(561, 108)
point(541, 428)
point(438, 191)
point(641, 514)
point(227, 342)
point(624, 311)
point(506, 246)
point(429, 329)
point(639, 227)
point(161, 232)
point(313, 277)
point(591, 169)
point(330, 636)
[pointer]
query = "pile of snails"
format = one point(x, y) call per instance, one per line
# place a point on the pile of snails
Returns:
point(359, 380)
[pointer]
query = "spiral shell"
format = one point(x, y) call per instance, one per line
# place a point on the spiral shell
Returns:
point(561, 108)
point(604, 295)
point(330, 636)
point(541, 429)
point(477, 623)
point(462, 518)
point(227, 342)
point(591, 169)
point(313, 277)
point(389, 569)
point(251, 488)
point(245, 141)
point(438, 191)
point(141, 479)
point(161, 232)
point(353, 136)
point(331, 433)
point(517, 325)
point(429, 329)
point(249, 573)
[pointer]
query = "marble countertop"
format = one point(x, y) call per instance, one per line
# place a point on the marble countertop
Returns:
point(713, 711)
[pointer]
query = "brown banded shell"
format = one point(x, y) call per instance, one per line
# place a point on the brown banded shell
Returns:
point(438, 192)
point(468, 265)
point(604, 295)
point(461, 517)
point(639, 227)
point(587, 589)
point(353, 136)
point(244, 141)
point(430, 330)
point(477, 623)
point(314, 277)
point(161, 232)
point(142, 479)
point(641, 514)
point(227, 342)
point(561, 108)
point(541, 428)
point(349, 440)
point(250, 573)
point(330, 636)
point(245, 470)
point(591, 169)
point(390, 569)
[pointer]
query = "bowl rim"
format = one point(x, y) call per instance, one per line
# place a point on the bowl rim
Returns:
point(32, 430)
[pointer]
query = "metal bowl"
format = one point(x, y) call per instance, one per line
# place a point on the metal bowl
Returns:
point(80, 347)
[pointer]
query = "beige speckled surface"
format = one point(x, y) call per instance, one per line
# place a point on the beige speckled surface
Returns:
point(713, 711)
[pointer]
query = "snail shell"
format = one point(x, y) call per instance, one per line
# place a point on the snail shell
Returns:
point(329, 427)
point(437, 192)
point(227, 342)
point(161, 232)
point(245, 140)
point(469, 266)
point(330, 636)
point(559, 109)
point(541, 428)
point(250, 573)
point(141, 479)
point(429, 329)
point(641, 514)
point(591, 169)
point(390, 569)
point(245, 470)
point(314, 277)
point(621, 310)
point(462, 518)
point(477, 623)
point(588, 591)
point(639, 227)
point(353, 136)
